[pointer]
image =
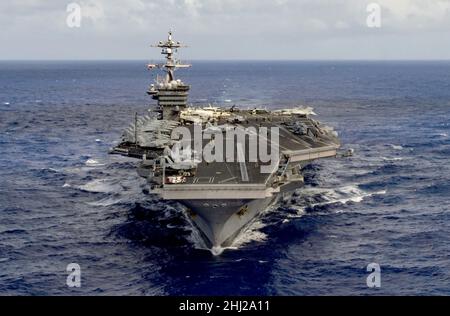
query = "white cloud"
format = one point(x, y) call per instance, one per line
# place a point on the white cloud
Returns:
point(93, 11)
point(224, 28)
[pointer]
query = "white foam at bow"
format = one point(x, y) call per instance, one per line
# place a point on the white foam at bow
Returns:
point(100, 186)
point(396, 147)
point(93, 162)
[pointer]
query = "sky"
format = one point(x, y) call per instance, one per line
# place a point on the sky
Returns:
point(226, 29)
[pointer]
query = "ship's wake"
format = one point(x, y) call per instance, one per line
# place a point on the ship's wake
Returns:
point(313, 200)
point(154, 222)
point(305, 201)
point(158, 223)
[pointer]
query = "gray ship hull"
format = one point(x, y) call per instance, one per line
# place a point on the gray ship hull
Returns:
point(220, 221)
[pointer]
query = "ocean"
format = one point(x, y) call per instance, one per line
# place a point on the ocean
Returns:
point(64, 199)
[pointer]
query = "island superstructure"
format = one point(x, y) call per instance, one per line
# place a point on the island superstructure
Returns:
point(221, 196)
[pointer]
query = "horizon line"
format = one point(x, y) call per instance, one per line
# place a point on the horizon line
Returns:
point(228, 60)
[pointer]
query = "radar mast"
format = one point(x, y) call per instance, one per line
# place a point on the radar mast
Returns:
point(169, 48)
point(170, 93)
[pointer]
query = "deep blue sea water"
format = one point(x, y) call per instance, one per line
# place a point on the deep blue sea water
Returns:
point(63, 199)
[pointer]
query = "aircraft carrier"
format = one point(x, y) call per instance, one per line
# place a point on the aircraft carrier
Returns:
point(206, 157)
